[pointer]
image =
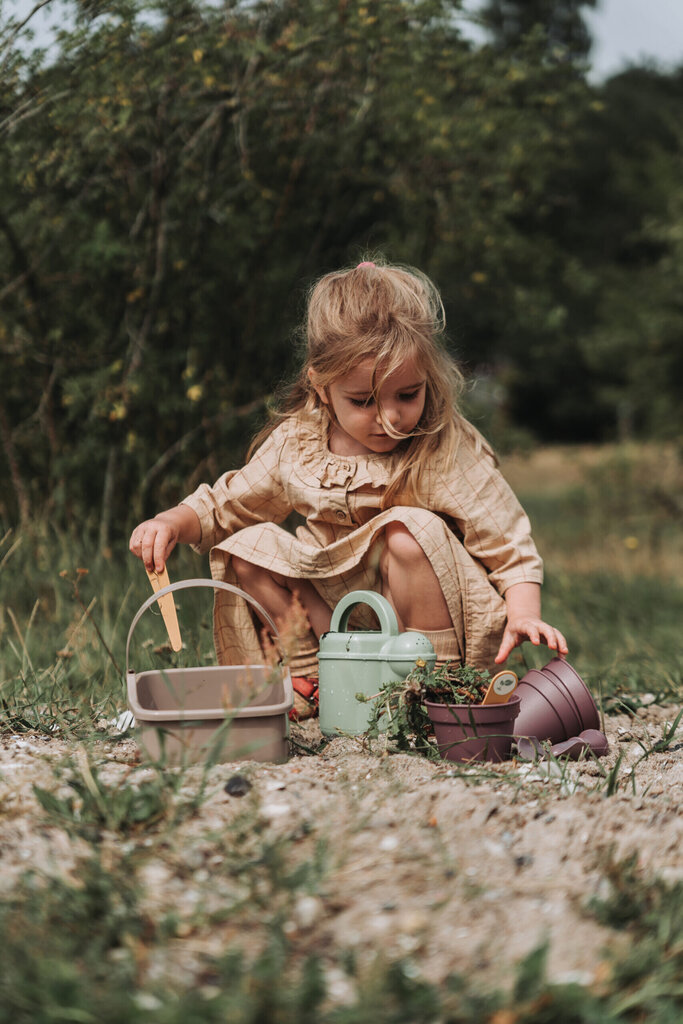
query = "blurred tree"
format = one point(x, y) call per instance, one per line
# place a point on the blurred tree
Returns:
point(176, 175)
point(606, 362)
point(172, 179)
point(631, 199)
point(561, 21)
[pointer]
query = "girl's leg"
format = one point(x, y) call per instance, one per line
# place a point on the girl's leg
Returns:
point(275, 592)
point(410, 584)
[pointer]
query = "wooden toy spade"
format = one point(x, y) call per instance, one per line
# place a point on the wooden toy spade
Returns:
point(501, 688)
point(159, 580)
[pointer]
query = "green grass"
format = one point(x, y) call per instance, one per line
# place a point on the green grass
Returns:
point(79, 948)
point(624, 634)
point(608, 523)
point(78, 951)
point(63, 630)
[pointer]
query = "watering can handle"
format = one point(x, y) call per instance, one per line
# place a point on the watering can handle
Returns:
point(385, 613)
point(186, 585)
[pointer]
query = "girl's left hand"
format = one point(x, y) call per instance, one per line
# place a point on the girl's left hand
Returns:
point(530, 628)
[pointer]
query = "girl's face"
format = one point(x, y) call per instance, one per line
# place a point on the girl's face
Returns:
point(357, 428)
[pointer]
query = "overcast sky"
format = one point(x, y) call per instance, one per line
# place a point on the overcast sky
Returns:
point(632, 31)
point(624, 31)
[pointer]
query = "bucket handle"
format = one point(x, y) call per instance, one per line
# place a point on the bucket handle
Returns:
point(385, 613)
point(186, 585)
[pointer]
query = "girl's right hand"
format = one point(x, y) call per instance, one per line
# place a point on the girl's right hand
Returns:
point(154, 540)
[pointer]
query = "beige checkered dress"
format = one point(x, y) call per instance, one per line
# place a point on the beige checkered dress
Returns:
point(473, 531)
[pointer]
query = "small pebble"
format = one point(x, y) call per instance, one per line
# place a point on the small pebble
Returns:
point(307, 911)
point(237, 785)
point(389, 843)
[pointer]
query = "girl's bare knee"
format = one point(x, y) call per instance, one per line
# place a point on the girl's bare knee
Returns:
point(402, 546)
point(251, 575)
point(243, 570)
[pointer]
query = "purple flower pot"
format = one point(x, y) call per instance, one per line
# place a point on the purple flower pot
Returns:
point(474, 732)
point(555, 703)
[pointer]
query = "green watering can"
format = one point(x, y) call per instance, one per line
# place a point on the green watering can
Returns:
point(362, 661)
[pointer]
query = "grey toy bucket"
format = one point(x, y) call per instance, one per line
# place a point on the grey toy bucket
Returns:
point(222, 712)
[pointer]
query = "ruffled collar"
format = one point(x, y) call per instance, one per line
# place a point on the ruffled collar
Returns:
point(329, 470)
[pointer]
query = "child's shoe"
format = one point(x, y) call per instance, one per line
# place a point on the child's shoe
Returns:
point(305, 698)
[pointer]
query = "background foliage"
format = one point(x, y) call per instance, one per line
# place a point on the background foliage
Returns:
point(176, 173)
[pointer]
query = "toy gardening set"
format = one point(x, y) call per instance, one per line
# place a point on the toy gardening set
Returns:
point(370, 681)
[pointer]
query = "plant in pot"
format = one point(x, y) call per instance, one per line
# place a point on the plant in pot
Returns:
point(439, 713)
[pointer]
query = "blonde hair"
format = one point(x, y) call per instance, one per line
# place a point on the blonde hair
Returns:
point(388, 314)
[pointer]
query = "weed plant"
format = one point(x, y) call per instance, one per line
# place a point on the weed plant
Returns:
point(648, 981)
point(398, 711)
point(88, 805)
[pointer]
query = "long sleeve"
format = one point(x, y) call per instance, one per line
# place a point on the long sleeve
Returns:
point(493, 525)
point(243, 497)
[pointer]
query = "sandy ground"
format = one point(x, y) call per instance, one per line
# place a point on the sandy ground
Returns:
point(461, 870)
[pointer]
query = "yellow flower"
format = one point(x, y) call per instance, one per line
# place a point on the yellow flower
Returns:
point(118, 412)
point(195, 392)
point(631, 543)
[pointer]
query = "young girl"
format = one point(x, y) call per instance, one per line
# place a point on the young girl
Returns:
point(400, 493)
